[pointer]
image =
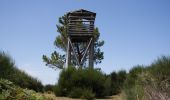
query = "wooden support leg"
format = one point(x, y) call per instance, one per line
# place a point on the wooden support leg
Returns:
point(68, 60)
point(91, 54)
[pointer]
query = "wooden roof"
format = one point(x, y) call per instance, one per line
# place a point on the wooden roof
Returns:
point(81, 12)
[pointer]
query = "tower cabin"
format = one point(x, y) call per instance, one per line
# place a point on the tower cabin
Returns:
point(80, 25)
point(80, 29)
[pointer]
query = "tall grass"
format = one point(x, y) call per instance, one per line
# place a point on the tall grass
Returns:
point(149, 82)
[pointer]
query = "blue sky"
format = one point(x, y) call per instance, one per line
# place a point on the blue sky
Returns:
point(135, 32)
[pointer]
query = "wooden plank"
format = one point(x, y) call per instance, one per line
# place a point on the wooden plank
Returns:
point(77, 29)
point(81, 17)
point(86, 25)
point(80, 28)
point(85, 30)
point(74, 26)
point(81, 21)
point(80, 24)
point(80, 33)
point(70, 16)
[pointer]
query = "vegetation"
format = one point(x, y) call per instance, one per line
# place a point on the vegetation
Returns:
point(75, 82)
point(49, 88)
point(117, 81)
point(141, 83)
point(9, 91)
point(57, 60)
point(9, 71)
point(149, 82)
point(86, 83)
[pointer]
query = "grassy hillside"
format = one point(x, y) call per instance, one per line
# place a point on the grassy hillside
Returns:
point(9, 71)
point(149, 82)
point(9, 91)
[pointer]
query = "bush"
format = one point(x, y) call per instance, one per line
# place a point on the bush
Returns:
point(88, 94)
point(9, 71)
point(49, 88)
point(149, 82)
point(72, 80)
point(82, 93)
point(161, 68)
point(76, 93)
point(9, 91)
point(117, 81)
point(133, 85)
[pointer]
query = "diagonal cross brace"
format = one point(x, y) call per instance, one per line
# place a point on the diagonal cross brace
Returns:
point(74, 52)
point(86, 51)
point(79, 63)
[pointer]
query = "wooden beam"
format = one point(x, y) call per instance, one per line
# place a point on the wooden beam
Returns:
point(80, 30)
point(81, 21)
point(91, 54)
point(74, 52)
point(68, 60)
point(80, 26)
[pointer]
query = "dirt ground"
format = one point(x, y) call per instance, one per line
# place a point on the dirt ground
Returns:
point(52, 96)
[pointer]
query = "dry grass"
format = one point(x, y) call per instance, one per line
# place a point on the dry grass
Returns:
point(51, 96)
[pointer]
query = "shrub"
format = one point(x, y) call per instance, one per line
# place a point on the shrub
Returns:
point(150, 82)
point(58, 90)
point(161, 68)
point(9, 71)
point(132, 86)
point(9, 91)
point(76, 93)
point(6, 66)
point(117, 81)
point(82, 93)
point(88, 94)
point(49, 88)
point(72, 80)
point(108, 87)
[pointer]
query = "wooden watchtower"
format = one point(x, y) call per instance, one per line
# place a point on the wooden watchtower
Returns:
point(80, 32)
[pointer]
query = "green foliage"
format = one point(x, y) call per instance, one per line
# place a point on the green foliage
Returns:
point(76, 92)
point(117, 81)
point(86, 82)
point(149, 82)
point(132, 85)
point(108, 86)
point(85, 93)
point(9, 71)
point(161, 68)
point(49, 88)
point(6, 65)
point(88, 94)
point(72, 80)
point(8, 91)
point(56, 61)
